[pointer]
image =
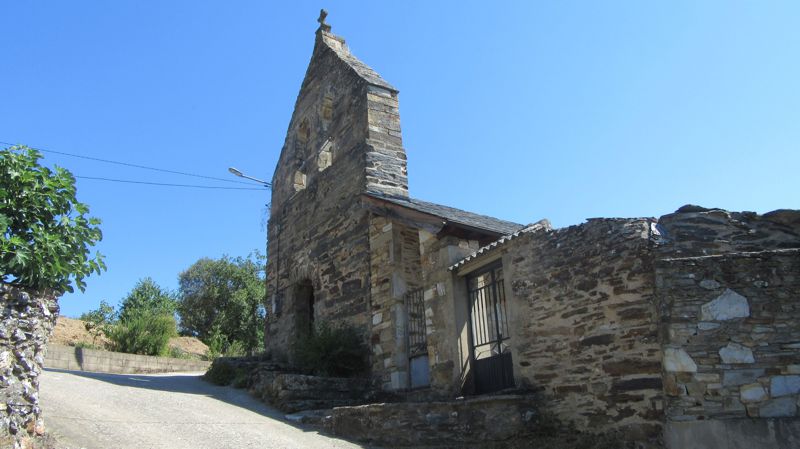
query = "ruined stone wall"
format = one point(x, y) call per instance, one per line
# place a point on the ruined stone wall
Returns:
point(27, 322)
point(698, 231)
point(731, 335)
point(394, 270)
point(584, 323)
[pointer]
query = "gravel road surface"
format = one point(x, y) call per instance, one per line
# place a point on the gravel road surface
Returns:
point(169, 411)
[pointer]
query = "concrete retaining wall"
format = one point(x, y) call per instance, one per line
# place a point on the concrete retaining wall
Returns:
point(82, 359)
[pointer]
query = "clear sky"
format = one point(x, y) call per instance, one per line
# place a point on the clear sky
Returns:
point(521, 110)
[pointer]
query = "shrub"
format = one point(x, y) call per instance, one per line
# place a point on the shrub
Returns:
point(240, 379)
point(332, 351)
point(178, 353)
point(143, 333)
point(221, 372)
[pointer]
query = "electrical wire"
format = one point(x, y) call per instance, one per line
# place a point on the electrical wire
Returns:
point(144, 167)
point(169, 184)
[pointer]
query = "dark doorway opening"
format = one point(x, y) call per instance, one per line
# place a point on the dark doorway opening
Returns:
point(304, 307)
point(488, 323)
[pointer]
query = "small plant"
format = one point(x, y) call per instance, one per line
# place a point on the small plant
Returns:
point(178, 353)
point(85, 345)
point(332, 351)
point(97, 322)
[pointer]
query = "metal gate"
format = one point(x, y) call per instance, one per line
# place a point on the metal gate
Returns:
point(491, 357)
point(419, 375)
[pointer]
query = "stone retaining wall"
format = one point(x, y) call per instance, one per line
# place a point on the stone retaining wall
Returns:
point(27, 322)
point(82, 359)
point(295, 392)
point(483, 419)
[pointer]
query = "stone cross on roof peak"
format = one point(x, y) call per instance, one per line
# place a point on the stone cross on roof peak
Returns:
point(322, 25)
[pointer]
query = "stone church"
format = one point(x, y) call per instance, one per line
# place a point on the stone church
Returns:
point(629, 323)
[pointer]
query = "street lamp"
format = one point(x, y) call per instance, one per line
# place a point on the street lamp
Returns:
point(242, 175)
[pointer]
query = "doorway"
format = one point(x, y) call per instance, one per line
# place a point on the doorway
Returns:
point(488, 324)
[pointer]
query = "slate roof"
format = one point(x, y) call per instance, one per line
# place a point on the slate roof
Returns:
point(453, 215)
point(339, 47)
point(542, 225)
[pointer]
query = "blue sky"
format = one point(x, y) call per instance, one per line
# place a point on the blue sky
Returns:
point(520, 110)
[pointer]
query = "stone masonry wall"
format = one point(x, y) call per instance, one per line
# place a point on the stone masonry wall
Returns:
point(583, 323)
point(445, 312)
point(474, 422)
point(27, 322)
point(394, 270)
point(343, 139)
point(731, 335)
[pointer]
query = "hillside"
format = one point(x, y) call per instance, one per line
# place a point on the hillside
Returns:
point(71, 332)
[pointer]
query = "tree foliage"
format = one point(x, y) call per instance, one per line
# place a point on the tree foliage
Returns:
point(220, 302)
point(45, 232)
point(147, 296)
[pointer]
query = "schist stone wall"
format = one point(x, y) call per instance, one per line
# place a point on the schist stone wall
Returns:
point(584, 325)
point(27, 322)
point(394, 270)
point(728, 290)
point(732, 335)
point(343, 140)
point(628, 324)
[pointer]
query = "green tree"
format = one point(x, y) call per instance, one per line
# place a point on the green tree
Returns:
point(45, 233)
point(98, 321)
point(221, 302)
point(147, 296)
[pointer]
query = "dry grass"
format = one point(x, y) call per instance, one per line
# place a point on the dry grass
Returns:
point(72, 332)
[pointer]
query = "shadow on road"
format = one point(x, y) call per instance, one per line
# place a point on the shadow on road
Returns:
point(188, 384)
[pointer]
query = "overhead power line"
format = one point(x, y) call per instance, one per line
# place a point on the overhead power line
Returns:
point(169, 184)
point(144, 167)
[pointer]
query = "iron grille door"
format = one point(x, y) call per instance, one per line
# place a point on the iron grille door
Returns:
point(419, 375)
point(491, 356)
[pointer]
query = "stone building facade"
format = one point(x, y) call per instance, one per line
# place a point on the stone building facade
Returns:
point(632, 324)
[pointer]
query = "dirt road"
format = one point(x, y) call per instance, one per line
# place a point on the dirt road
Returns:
point(169, 411)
